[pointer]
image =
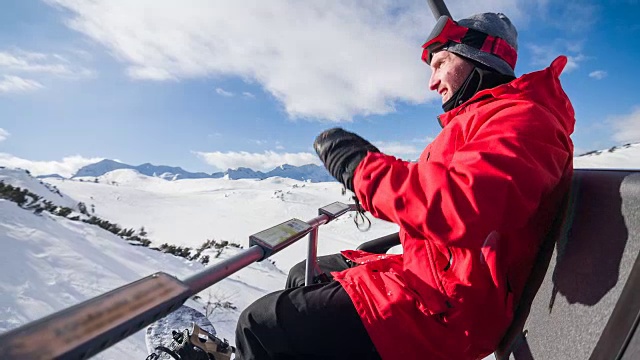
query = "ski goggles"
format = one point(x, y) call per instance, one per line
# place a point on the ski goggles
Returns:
point(447, 30)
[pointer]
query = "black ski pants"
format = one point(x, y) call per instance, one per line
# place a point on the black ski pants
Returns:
point(304, 322)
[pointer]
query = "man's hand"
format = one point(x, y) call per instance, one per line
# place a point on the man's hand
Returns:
point(341, 152)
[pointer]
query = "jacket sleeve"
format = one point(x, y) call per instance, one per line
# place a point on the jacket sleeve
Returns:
point(495, 180)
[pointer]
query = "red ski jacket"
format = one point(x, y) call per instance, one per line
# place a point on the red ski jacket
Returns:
point(472, 214)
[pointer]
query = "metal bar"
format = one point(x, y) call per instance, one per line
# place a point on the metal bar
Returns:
point(215, 273)
point(319, 220)
point(312, 268)
point(86, 329)
point(312, 257)
point(438, 8)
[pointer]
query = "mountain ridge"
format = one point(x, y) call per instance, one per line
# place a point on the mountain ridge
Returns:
point(309, 172)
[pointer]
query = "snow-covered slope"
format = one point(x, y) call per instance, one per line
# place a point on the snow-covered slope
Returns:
point(190, 211)
point(618, 157)
point(49, 263)
point(22, 179)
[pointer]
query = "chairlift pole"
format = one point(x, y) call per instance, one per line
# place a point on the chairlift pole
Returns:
point(438, 8)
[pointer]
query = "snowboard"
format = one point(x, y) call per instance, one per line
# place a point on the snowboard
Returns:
point(191, 327)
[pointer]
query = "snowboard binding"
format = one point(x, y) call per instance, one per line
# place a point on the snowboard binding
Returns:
point(196, 344)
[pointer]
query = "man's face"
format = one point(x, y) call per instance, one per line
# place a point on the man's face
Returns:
point(448, 73)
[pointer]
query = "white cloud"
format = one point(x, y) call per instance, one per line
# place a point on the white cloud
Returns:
point(321, 60)
point(223, 92)
point(258, 161)
point(316, 59)
point(544, 55)
point(4, 134)
point(626, 127)
point(573, 62)
point(149, 73)
point(425, 140)
point(404, 150)
point(397, 149)
point(67, 167)
point(248, 94)
point(598, 74)
point(33, 62)
point(15, 84)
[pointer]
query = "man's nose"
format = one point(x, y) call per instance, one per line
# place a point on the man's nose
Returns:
point(433, 81)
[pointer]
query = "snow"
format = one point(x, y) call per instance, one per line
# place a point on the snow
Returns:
point(50, 263)
point(20, 178)
point(618, 157)
point(190, 211)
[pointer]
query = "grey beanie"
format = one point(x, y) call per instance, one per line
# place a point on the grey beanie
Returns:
point(493, 24)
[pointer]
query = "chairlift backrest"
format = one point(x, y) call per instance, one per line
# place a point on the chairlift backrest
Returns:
point(582, 300)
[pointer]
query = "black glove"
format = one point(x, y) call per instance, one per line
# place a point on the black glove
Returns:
point(341, 152)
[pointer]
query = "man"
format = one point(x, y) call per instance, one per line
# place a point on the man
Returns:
point(472, 213)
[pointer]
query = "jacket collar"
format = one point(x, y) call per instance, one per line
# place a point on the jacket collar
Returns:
point(515, 86)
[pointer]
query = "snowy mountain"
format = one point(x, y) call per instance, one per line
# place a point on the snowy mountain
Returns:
point(50, 176)
point(169, 172)
point(101, 167)
point(165, 172)
point(310, 172)
point(241, 173)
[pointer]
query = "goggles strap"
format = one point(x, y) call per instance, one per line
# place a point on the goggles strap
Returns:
point(473, 38)
point(500, 48)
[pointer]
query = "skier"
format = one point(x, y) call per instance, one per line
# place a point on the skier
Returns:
point(472, 213)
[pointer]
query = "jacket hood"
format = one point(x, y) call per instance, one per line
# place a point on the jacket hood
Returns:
point(541, 87)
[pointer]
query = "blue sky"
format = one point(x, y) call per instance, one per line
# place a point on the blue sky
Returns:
point(210, 85)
